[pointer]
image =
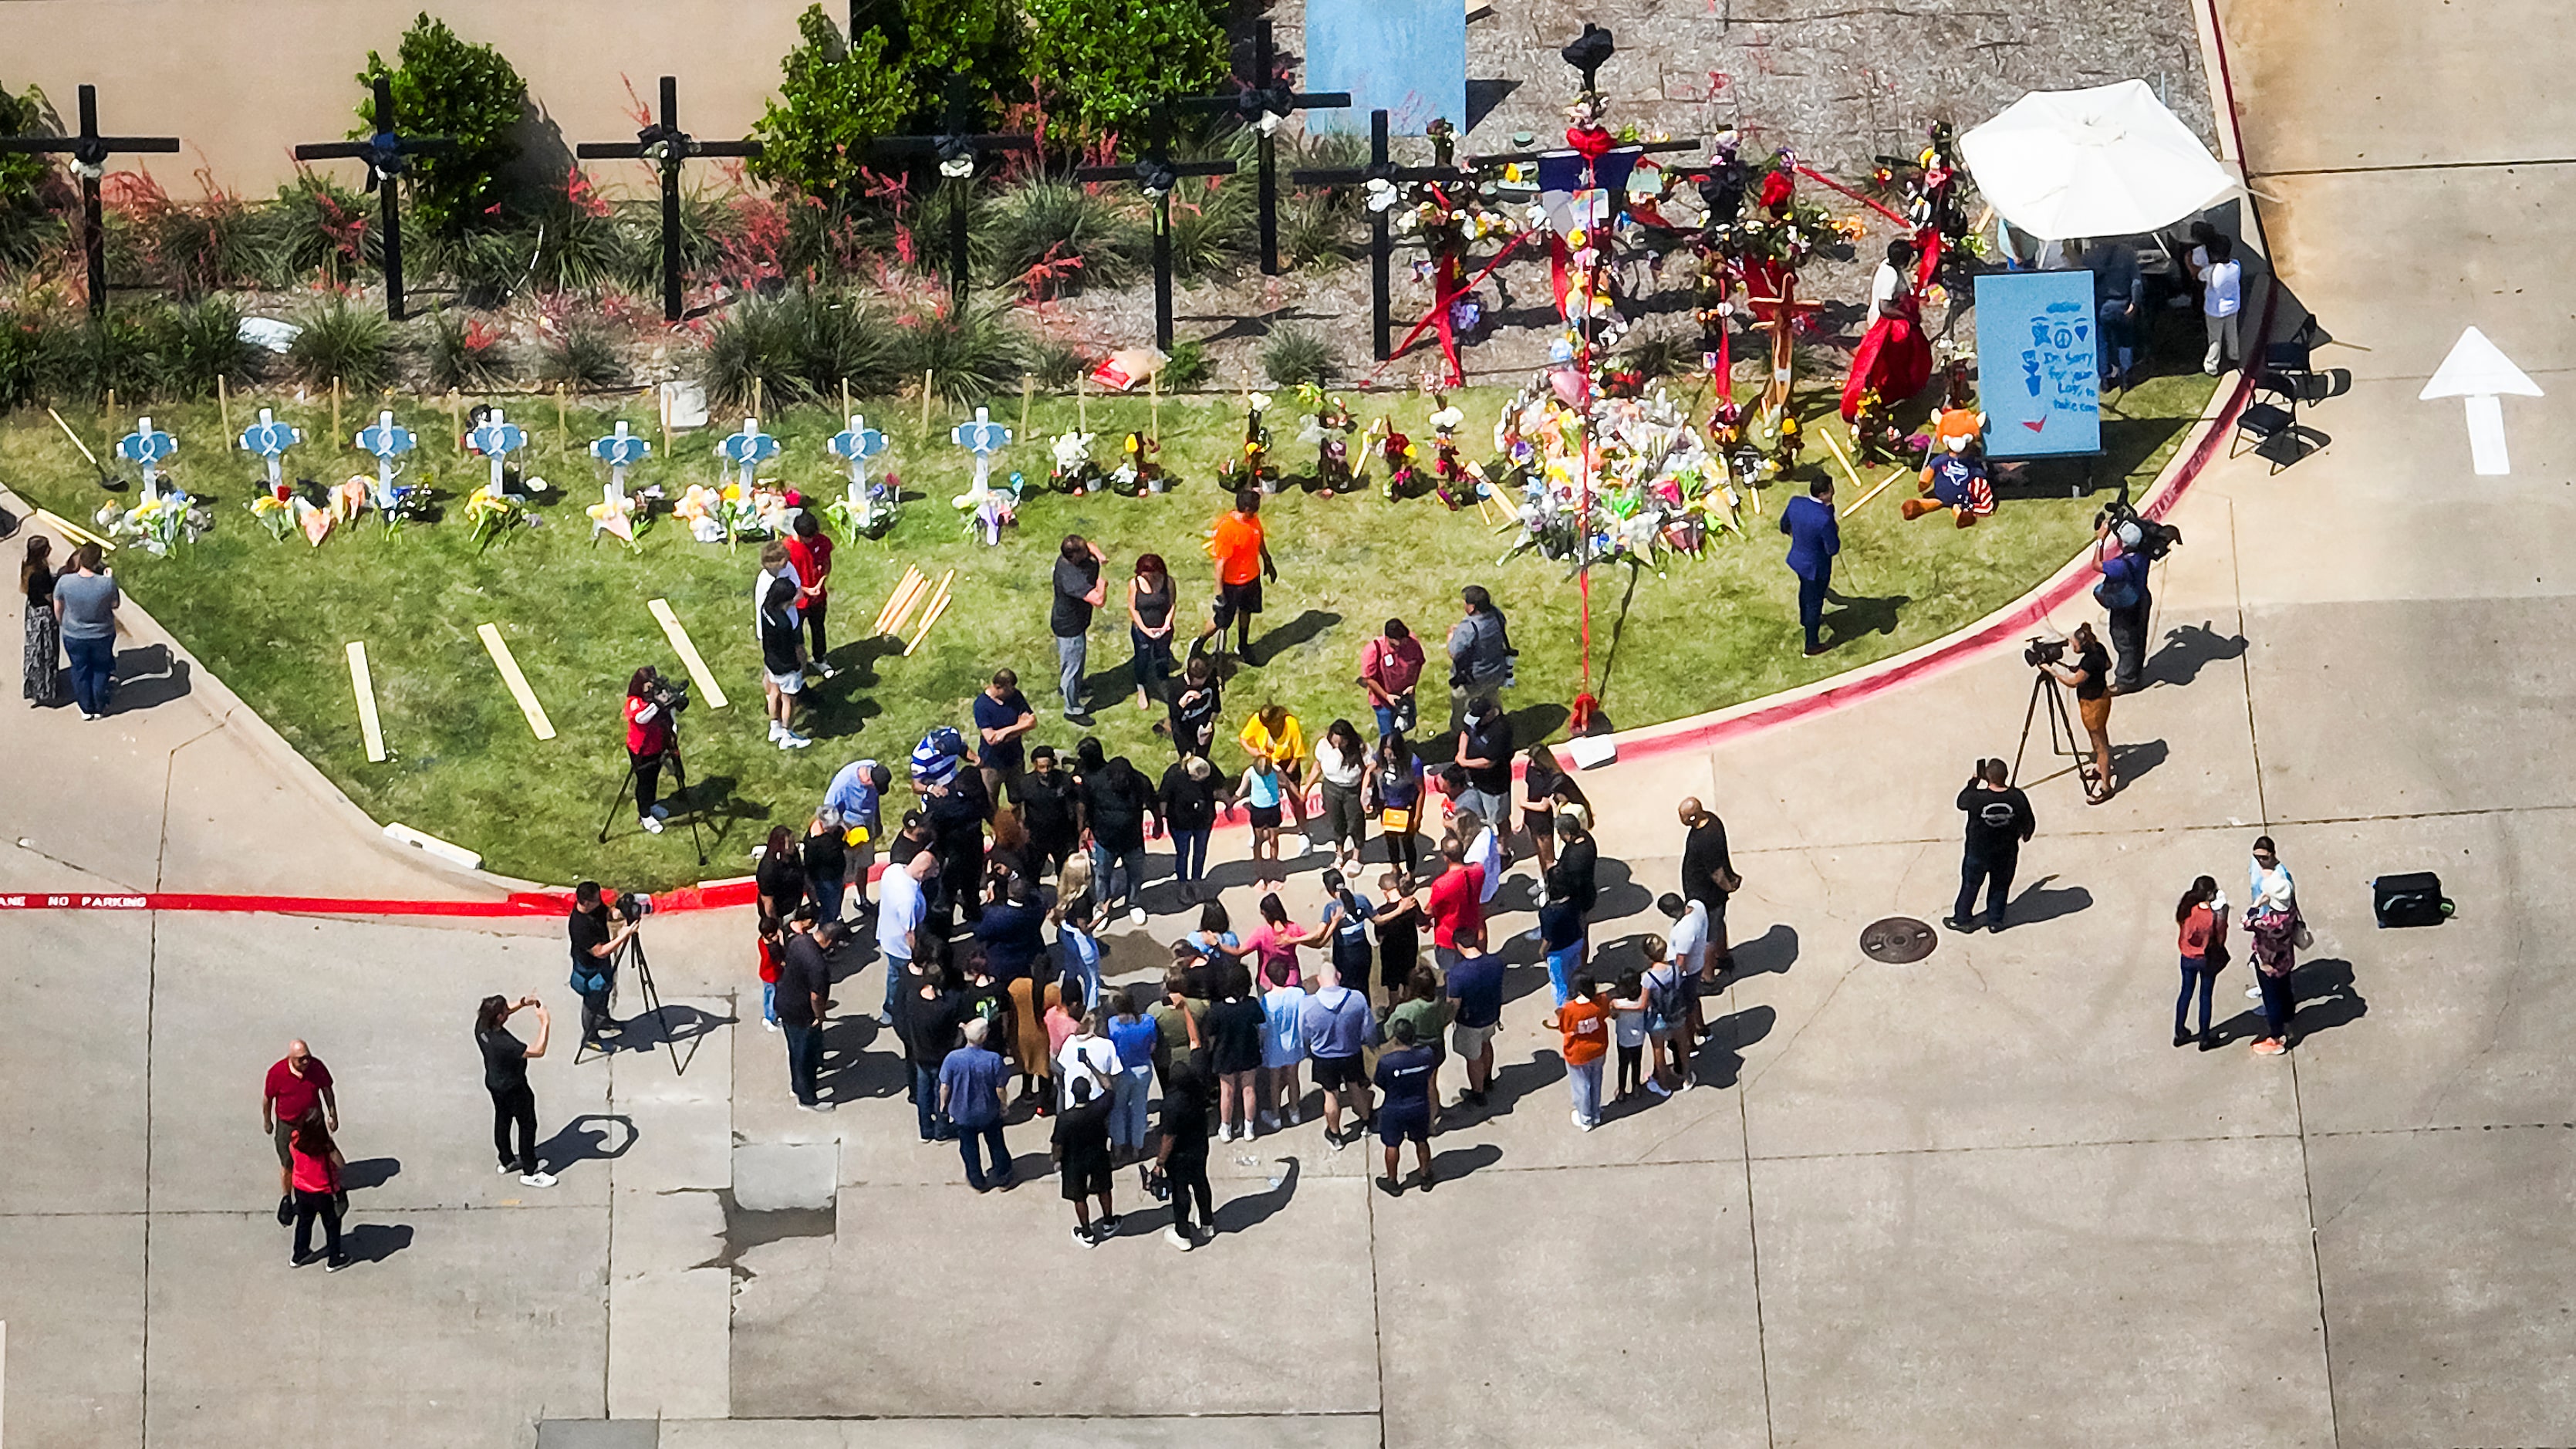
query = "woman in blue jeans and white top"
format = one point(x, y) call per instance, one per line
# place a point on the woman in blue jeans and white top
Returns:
point(85, 600)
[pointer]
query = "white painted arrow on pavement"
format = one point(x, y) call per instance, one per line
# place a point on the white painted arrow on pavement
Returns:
point(2479, 372)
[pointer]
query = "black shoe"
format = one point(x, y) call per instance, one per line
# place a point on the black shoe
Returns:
point(285, 1211)
point(1108, 1226)
point(336, 1264)
point(2209, 1041)
point(1428, 1179)
point(2182, 1039)
point(1390, 1187)
point(1956, 924)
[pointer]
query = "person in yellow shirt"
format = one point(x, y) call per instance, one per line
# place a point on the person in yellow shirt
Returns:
point(1273, 734)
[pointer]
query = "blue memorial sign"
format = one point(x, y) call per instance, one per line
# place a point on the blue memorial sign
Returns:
point(2039, 371)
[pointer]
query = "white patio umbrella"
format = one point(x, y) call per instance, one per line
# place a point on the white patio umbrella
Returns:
point(2108, 161)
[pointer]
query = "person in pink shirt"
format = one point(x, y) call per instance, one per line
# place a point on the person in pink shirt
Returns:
point(1390, 666)
point(1272, 947)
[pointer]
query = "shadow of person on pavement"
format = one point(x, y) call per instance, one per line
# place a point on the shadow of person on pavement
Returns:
point(148, 676)
point(2130, 762)
point(1458, 1162)
point(585, 1139)
point(1518, 1079)
point(2038, 903)
point(2187, 649)
point(1252, 1209)
point(369, 1172)
point(1719, 1059)
point(375, 1242)
point(2326, 998)
point(1771, 953)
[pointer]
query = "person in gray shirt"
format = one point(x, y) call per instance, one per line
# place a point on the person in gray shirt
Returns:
point(85, 601)
point(1480, 653)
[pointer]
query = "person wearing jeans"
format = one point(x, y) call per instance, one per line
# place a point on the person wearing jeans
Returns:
point(1133, 1034)
point(971, 1086)
point(804, 994)
point(1999, 820)
point(1189, 797)
point(1585, 1026)
point(85, 601)
point(1079, 588)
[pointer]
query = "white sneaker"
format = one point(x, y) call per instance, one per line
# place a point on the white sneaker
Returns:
point(2253, 993)
point(652, 825)
point(1586, 1126)
point(1135, 915)
point(1578, 1120)
point(1179, 1239)
point(790, 740)
point(509, 1167)
point(537, 1179)
point(771, 1025)
point(776, 729)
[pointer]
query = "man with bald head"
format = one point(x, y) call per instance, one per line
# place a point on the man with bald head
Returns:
point(295, 1084)
point(1708, 877)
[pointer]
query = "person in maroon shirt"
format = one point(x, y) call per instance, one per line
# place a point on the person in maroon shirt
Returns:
point(1390, 666)
point(809, 552)
point(295, 1084)
point(1456, 905)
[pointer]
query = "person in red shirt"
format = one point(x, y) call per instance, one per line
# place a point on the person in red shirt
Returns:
point(809, 552)
point(313, 1181)
point(1242, 553)
point(1390, 665)
point(648, 742)
point(296, 1085)
point(1585, 1024)
point(1456, 905)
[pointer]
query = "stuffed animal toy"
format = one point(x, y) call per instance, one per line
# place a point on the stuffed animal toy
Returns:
point(1956, 477)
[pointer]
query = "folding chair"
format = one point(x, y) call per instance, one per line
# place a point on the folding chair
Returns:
point(2268, 422)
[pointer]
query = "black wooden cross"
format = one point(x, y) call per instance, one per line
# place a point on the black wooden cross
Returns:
point(1260, 105)
point(383, 152)
point(665, 145)
point(89, 152)
point(958, 152)
point(1155, 174)
point(1381, 242)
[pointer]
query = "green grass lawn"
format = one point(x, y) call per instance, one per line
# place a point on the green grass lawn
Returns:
point(273, 619)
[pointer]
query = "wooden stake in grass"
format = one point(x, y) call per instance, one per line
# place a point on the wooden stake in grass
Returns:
point(456, 421)
point(898, 607)
point(911, 579)
point(1843, 458)
point(224, 410)
point(68, 529)
point(687, 649)
point(1028, 389)
point(107, 419)
point(337, 442)
point(563, 430)
point(845, 397)
point(1874, 492)
point(1081, 402)
point(76, 440)
point(755, 394)
point(1154, 404)
point(930, 616)
point(925, 397)
point(363, 683)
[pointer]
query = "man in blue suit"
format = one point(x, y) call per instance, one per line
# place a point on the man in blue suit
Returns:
point(1814, 539)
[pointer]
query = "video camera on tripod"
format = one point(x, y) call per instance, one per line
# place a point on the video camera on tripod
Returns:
point(2144, 537)
point(671, 696)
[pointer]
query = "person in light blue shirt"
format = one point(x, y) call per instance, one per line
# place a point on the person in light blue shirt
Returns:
point(1283, 1050)
point(972, 1080)
point(1339, 1025)
point(856, 798)
point(1133, 1034)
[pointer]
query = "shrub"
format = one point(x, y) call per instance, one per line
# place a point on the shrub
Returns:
point(31, 346)
point(833, 98)
point(342, 340)
point(1056, 366)
point(1293, 355)
point(1317, 234)
point(465, 353)
point(1107, 60)
point(972, 353)
point(802, 345)
point(576, 242)
point(1188, 367)
point(1212, 224)
point(32, 193)
point(582, 355)
point(316, 225)
point(1052, 238)
point(199, 342)
point(50, 356)
point(445, 86)
point(1654, 355)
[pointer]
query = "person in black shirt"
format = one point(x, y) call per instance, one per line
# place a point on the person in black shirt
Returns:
point(1708, 875)
point(1233, 1034)
point(505, 1076)
point(1083, 1161)
point(1184, 1153)
point(926, 1018)
point(1190, 794)
point(827, 864)
point(1398, 918)
point(1999, 820)
point(804, 994)
point(957, 812)
point(2090, 678)
point(1117, 801)
point(780, 876)
point(1012, 934)
point(1196, 703)
point(782, 660)
point(594, 960)
point(1051, 807)
point(1078, 590)
point(1485, 753)
point(1575, 876)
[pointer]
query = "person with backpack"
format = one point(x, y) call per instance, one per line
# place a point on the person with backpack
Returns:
point(2200, 921)
point(1672, 1001)
point(1339, 1026)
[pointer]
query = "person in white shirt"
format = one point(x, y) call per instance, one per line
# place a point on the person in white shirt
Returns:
point(1888, 284)
point(1088, 1056)
point(1686, 946)
point(1484, 850)
point(2222, 299)
point(901, 904)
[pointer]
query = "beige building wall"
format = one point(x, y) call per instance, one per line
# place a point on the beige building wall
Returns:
point(241, 81)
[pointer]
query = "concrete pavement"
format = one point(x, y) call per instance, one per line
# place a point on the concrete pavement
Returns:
point(1977, 1199)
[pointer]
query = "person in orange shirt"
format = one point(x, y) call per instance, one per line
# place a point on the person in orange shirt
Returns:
point(1242, 553)
point(1585, 1023)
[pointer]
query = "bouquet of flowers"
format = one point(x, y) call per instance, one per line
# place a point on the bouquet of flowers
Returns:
point(614, 515)
point(872, 515)
point(1074, 473)
point(275, 510)
point(159, 523)
point(703, 511)
point(493, 512)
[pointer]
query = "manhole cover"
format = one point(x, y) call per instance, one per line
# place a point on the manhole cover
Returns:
point(1898, 940)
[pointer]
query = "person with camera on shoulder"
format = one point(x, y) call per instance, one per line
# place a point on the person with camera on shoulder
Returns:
point(595, 944)
point(2125, 547)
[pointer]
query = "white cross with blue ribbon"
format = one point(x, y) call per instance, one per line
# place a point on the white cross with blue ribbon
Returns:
point(748, 449)
point(270, 439)
point(858, 443)
point(496, 438)
point(387, 440)
point(983, 437)
point(619, 450)
point(148, 447)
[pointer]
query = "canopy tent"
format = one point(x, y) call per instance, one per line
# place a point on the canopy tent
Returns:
point(2108, 161)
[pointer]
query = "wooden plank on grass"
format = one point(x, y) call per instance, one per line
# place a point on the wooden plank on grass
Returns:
point(697, 666)
point(510, 675)
point(364, 684)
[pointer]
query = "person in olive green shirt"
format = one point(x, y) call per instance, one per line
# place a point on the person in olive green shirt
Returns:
point(1176, 1021)
point(1425, 1005)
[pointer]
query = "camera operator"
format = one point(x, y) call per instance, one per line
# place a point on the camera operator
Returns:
point(595, 945)
point(2122, 554)
point(2090, 677)
point(649, 721)
point(1999, 822)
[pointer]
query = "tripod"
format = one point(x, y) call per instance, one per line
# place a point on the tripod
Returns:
point(634, 950)
point(680, 783)
point(2062, 738)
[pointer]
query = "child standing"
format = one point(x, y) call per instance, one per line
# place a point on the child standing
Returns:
point(1585, 1027)
point(1263, 794)
point(773, 950)
point(1628, 1008)
point(1283, 1051)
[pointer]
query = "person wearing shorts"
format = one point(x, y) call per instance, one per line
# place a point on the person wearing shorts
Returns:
point(1404, 1076)
point(1475, 985)
point(1339, 1026)
point(782, 662)
point(1242, 554)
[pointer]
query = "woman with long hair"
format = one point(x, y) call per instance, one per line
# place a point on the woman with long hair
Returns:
point(648, 741)
point(317, 1165)
point(1395, 793)
point(1264, 795)
point(1541, 778)
point(85, 600)
point(2200, 919)
point(2273, 924)
point(780, 877)
point(505, 1076)
point(42, 656)
point(1343, 763)
point(1233, 1030)
point(1345, 927)
point(1150, 598)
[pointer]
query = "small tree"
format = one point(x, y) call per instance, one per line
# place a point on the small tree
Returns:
point(1105, 61)
point(834, 97)
point(30, 188)
point(446, 86)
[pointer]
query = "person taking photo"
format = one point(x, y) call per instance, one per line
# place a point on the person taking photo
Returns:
point(2090, 677)
point(595, 945)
